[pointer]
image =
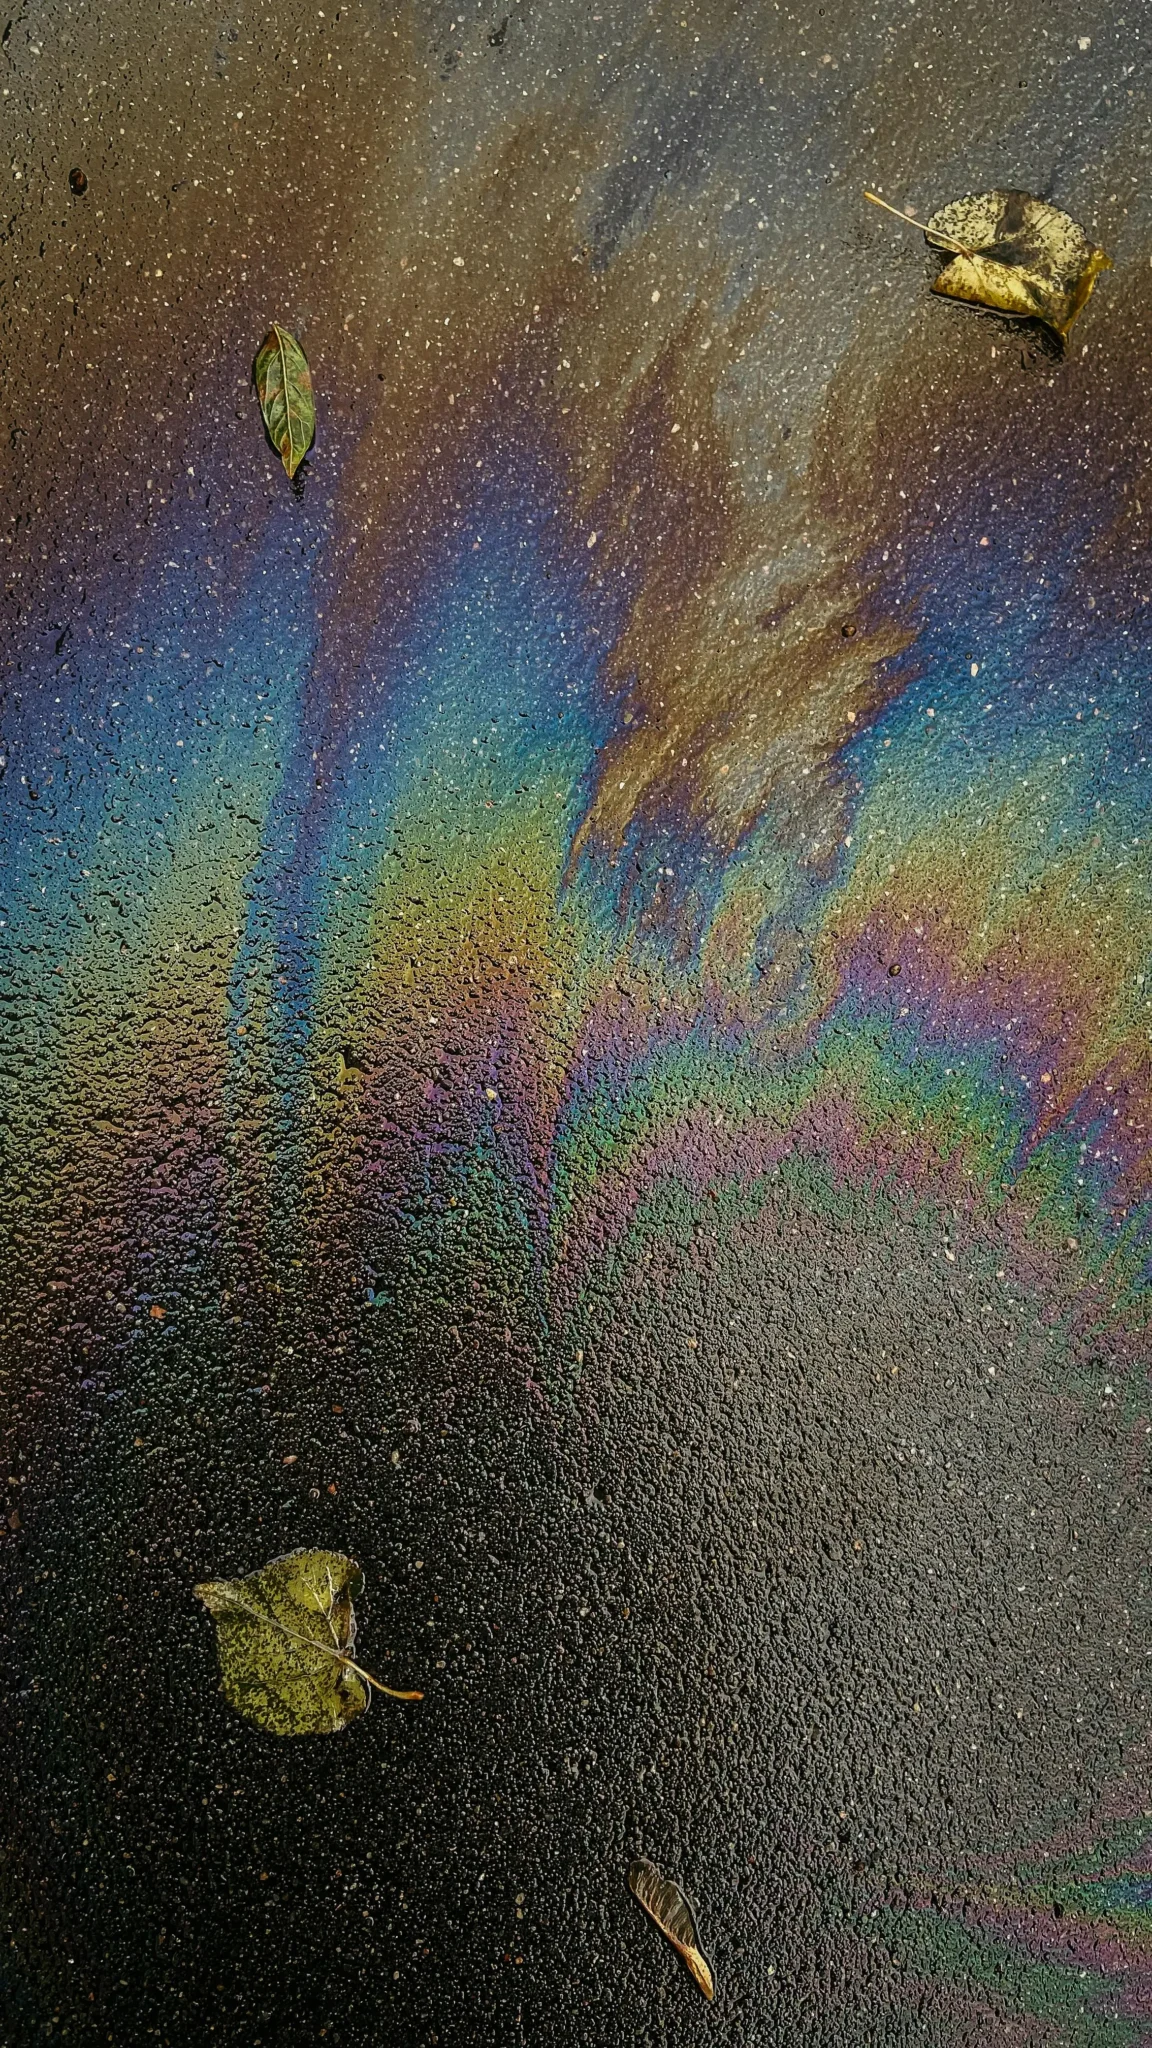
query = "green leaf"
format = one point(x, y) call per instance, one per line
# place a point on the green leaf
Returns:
point(284, 387)
point(284, 1637)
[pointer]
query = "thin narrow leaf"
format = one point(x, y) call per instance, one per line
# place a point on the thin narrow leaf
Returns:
point(284, 1637)
point(665, 1903)
point(284, 387)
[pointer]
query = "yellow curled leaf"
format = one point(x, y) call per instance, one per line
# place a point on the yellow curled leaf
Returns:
point(1019, 256)
point(284, 1638)
point(1012, 253)
point(665, 1903)
point(284, 388)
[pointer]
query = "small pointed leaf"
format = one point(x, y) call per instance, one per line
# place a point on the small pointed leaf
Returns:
point(665, 1903)
point(284, 1637)
point(284, 387)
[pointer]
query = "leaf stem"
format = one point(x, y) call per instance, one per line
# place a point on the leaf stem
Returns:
point(943, 241)
point(390, 1690)
point(311, 1643)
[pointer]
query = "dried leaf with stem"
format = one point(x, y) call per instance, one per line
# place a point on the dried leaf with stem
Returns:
point(1014, 254)
point(284, 1638)
point(665, 1903)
